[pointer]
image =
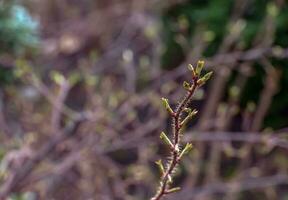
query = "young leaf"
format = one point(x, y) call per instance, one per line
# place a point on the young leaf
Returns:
point(160, 166)
point(186, 85)
point(186, 150)
point(205, 78)
point(199, 67)
point(191, 68)
point(189, 116)
point(167, 106)
point(172, 190)
point(166, 140)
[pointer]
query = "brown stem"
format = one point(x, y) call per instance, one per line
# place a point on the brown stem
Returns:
point(176, 140)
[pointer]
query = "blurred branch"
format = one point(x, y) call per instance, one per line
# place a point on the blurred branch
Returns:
point(250, 137)
point(269, 90)
point(11, 184)
point(246, 137)
point(223, 59)
point(3, 124)
point(58, 105)
point(45, 91)
point(242, 185)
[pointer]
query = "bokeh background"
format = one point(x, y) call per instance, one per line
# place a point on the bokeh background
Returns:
point(80, 90)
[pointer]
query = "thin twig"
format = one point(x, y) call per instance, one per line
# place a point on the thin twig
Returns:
point(175, 153)
point(177, 125)
point(16, 178)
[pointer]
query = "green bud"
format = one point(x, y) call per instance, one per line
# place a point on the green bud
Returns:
point(188, 110)
point(190, 67)
point(188, 117)
point(166, 140)
point(172, 190)
point(160, 166)
point(194, 112)
point(186, 150)
point(251, 106)
point(167, 106)
point(205, 78)
point(199, 67)
point(272, 9)
point(74, 78)
point(234, 91)
point(57, 77)
point(170, 179)
point(186, 85)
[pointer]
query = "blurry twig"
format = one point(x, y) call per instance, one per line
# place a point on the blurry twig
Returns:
point(253, 138)
point(250, 137)
point(3, 124)
point(16, 177)
point(241, 185)
point(44, 90)
point(269, 90)
point(224, 59)
point(58, 105)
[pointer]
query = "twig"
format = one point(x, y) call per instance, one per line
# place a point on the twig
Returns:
point(246, 137)
point(58, 105)
point(19, 175)
point(269, 90)
point(177, 125)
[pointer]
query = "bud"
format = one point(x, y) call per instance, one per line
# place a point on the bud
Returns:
point(191, 68)
point(188, 110)
point(205, 78)
point(160, 166)
point(234, 92)
point(57, 77)
point(189, 116)
point(167, 106)
point(172, 190)
point(199, 67)
point(186, 150)
point(166, 140)
point(186, 85)
point(170, 179)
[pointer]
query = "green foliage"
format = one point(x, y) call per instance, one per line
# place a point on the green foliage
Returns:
point(211, 19)
point(6, 75)
point(18, 35)
point(24, 196)
point(18, 31)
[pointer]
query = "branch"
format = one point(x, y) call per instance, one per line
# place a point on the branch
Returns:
point(16, 178)
point(240, 185)
point(177, 125)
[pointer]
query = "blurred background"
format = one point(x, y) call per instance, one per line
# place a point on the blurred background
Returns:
point(80, 90)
